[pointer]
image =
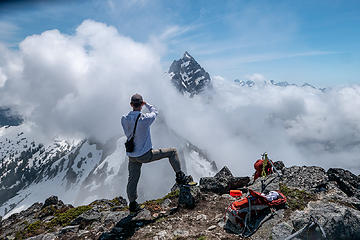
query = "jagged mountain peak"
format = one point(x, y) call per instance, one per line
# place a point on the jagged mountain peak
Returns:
point(187, 55)
point(188, 76)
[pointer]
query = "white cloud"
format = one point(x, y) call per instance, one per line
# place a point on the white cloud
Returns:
point(3, 78)
point(293, 124)
point(256, 77)
point(81, 83)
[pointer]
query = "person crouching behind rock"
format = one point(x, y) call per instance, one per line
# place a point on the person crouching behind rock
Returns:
point(143, 152)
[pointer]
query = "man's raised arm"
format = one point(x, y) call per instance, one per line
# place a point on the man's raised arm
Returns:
point(153, 112)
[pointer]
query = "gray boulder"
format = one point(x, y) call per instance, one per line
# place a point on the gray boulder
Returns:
point(282, 230)
point(224, 173)
point(86, 218)
point(310, 179)
point(113, 217)
point(270, 182)
point(338, 221)
point(45, 236)
point(189, 196)
point(53, 200)
point(215, 185)
point(223, 182)
point(347, 181)
point(279, 165)
point(335, 194)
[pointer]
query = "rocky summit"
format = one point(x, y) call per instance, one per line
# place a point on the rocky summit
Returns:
point(188, 76)
point(328, 198)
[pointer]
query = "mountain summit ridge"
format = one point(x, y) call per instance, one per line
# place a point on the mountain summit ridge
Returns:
point(330, 198)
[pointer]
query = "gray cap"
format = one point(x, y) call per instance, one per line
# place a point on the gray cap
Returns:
point(136, 98)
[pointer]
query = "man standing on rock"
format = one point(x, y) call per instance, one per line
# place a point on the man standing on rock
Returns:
point(143, 152)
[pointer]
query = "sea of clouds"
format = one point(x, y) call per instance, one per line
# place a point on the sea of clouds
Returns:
point(79, 85)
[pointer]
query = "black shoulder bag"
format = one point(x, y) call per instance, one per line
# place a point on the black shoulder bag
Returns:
point(129, 144)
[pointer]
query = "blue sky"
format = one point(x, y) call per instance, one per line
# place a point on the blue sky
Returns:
point(295, 41)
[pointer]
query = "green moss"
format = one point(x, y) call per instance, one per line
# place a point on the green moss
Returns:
point(51, 211)
point(30, 230)
point(47, 211)
point(19, 235)
point(161, 219)
point(170, 195)
point(202, 238)
point(34, 226)
point(149, 235)
point(115, 201)
point(296, 199)
point(155, 204)
point(64, 219)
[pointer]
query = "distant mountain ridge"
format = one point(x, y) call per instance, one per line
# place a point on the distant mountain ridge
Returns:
point(188, 76)
point(251, 83)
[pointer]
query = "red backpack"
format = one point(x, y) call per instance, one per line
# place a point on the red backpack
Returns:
point(242, 211)
point(263, 166)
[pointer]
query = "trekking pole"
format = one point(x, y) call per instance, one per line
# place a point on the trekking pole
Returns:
point(312, 222)
point(263, 185)
point(272, 164)
point(318, 224)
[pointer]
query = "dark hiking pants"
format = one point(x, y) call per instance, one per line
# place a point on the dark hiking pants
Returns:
point(135, 164)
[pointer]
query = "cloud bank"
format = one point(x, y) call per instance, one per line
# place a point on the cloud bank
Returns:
point(79, 85)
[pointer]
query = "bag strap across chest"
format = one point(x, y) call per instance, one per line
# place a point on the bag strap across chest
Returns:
point(137, 119)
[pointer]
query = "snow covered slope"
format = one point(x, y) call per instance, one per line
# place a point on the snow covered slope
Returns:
point(78, 171)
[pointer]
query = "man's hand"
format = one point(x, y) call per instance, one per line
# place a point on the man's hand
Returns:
point(143, 103)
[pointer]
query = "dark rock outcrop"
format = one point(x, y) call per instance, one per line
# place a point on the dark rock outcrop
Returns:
point(347, 181)
point(305, 178)
point(224, 173)
point(223, 182)
point(189, 196)
point(279, 165)
point(86, 218)
point(53, 200)
point(338, 222)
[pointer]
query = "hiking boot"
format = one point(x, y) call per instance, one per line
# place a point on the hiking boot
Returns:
point(134, 207)
point(181, 178)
